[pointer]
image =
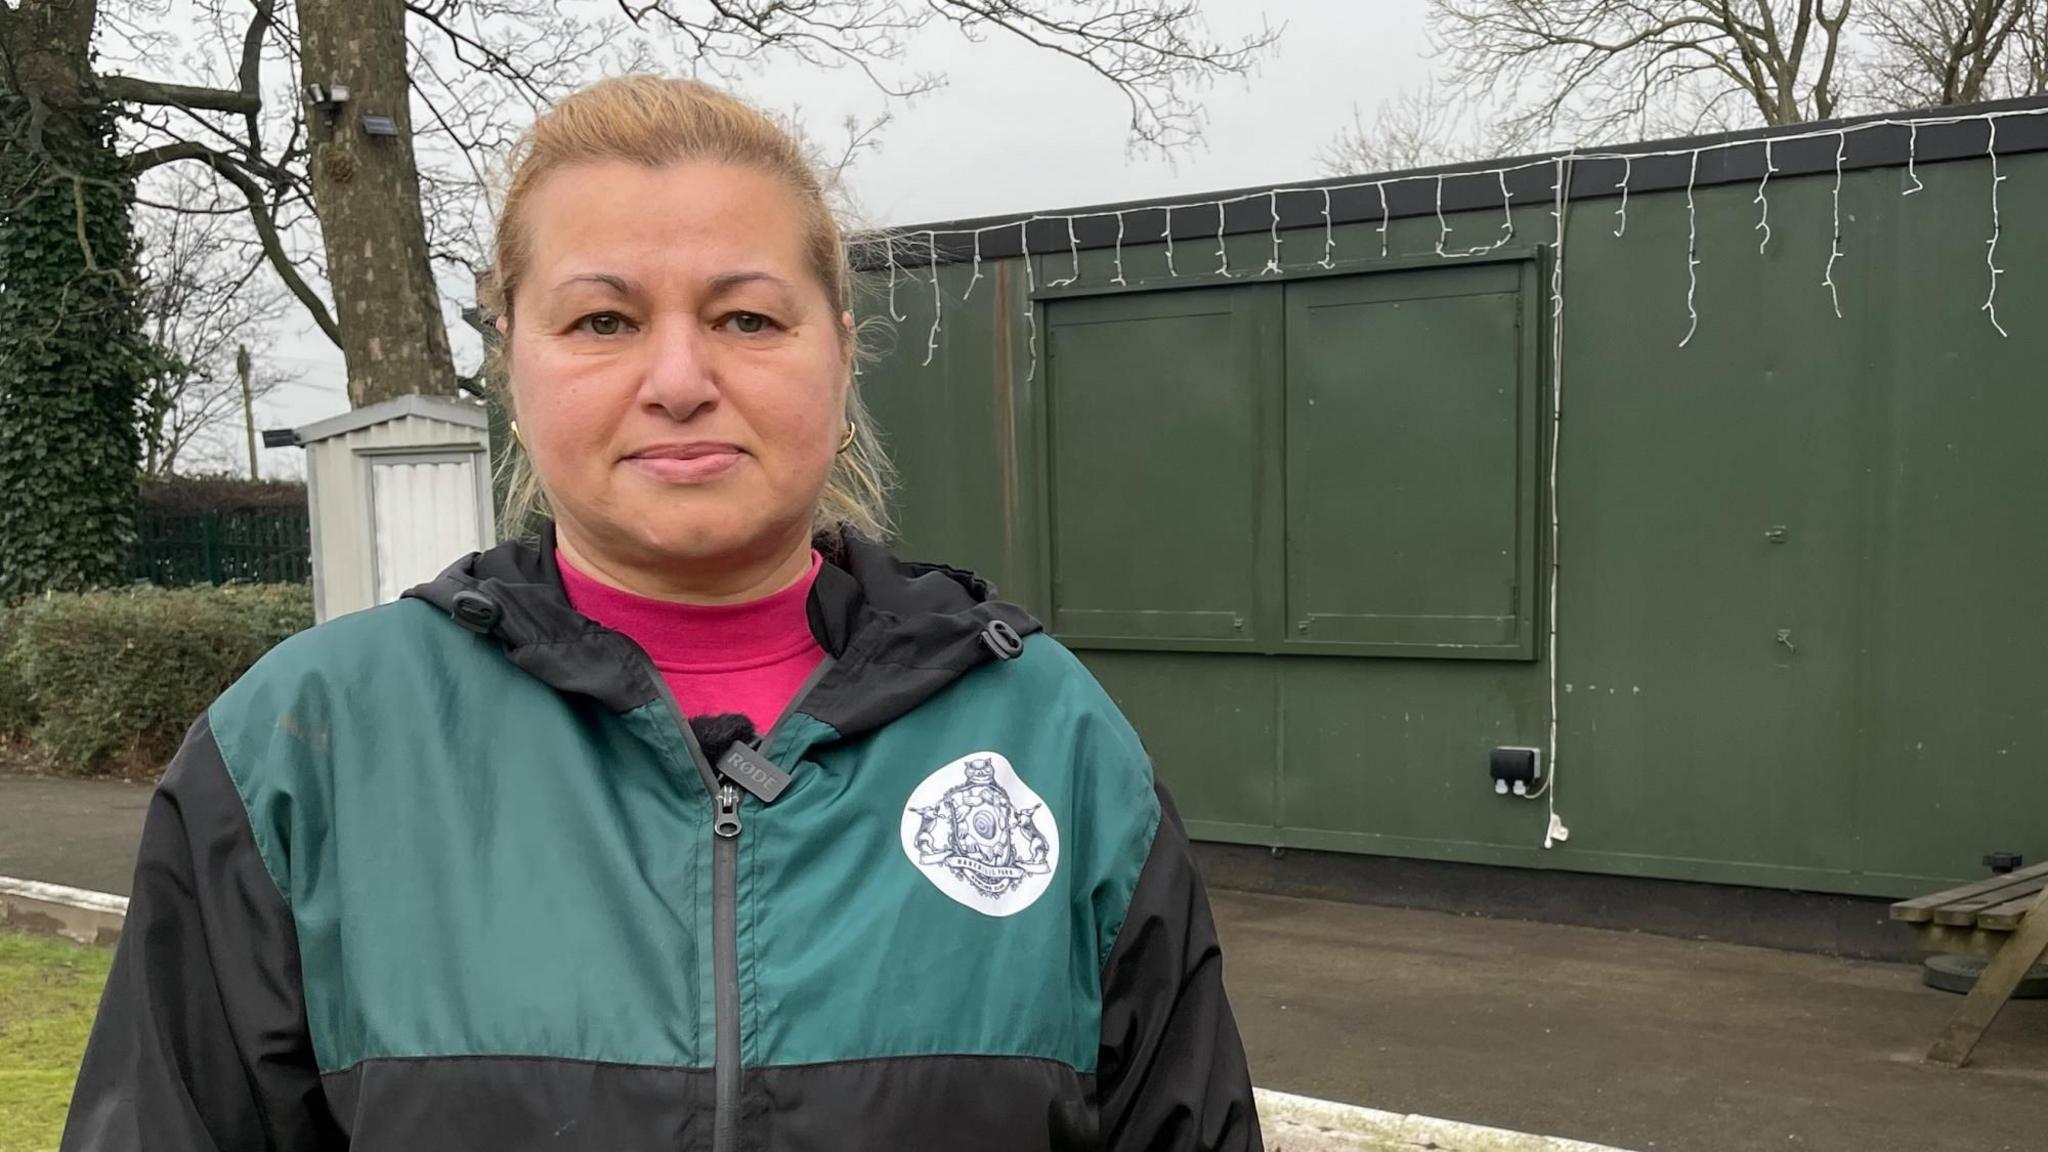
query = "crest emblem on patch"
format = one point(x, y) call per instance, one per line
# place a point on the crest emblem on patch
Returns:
point(981, 835)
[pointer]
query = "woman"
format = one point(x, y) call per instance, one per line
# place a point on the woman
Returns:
point(456, 873)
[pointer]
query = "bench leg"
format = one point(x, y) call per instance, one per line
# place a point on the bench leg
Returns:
point(2021, 951)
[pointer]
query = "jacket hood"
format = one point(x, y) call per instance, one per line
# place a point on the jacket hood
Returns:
point(897, 632)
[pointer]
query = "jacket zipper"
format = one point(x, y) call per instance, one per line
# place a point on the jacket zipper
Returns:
point(725, 959)
point(725, 870)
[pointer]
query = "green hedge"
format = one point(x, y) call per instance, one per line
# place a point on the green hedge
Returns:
point(17, 712)
point(219, 494)
point(108, 682)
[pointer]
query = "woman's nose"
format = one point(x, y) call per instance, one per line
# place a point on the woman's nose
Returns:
point(677, 375)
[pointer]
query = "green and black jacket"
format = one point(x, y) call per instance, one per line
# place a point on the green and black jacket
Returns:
point(456, 874)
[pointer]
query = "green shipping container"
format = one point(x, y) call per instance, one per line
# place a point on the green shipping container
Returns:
point(1294, 499)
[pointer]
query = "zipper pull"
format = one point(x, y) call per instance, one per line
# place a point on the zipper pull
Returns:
point(727, 823)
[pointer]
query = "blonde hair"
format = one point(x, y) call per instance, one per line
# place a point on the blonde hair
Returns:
point(658, 121)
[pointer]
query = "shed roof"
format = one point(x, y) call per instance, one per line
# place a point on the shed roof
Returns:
point(465, 413)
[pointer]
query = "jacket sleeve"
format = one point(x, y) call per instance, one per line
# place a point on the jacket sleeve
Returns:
point(1171, 1076)
point(201, 1042)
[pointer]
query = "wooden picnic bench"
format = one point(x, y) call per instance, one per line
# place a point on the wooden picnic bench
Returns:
point(2004, 920)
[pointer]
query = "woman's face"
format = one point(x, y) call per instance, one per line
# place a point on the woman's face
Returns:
point(677, 369)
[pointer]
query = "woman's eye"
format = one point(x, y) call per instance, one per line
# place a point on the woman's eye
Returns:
point(749, 323)
point(605, 324)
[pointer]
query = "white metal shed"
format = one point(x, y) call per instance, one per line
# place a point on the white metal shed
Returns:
point(397, 491)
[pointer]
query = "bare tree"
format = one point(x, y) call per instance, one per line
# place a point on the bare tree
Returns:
point(483, 67)
point(1599, 68)
point(201, 297)
point(1417, 128)
point(1592, 69)
point(458, 78)
point(2030, 65)
point(1937, 52)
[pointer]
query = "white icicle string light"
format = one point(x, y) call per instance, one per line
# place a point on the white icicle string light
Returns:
point(1382, 186)
point(1222, 249)
point(898, 317)
point(1507, 211)
point(1763, 222)
point(1329, 236)
point(1118, 279)
point(1272, 267)
point(1030, 289)
point(976, 278)
point(1692, 253)
point(1835, 243)
point(1628, 167)
point(931, 343)
point(1443, 227)
point(1074, 251)
point(899, 270)
point(1990, 307)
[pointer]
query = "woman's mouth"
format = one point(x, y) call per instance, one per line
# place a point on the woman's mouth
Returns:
point(693, 462)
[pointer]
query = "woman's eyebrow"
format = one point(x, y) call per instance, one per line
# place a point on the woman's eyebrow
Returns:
point(618, 284)
point(727, 281)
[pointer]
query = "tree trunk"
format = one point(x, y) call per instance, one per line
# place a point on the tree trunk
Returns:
point(366, 190)
point(71, 353)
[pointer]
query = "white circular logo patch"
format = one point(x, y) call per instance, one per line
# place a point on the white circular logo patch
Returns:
point(981, 835)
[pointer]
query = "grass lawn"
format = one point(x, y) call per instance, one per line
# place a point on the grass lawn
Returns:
point(48, 992)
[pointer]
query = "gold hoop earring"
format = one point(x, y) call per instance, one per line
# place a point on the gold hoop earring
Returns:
point(848, 442)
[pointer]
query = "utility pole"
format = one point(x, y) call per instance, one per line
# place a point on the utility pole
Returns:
point(248, 405)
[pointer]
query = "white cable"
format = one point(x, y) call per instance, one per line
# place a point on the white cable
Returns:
point(1912, 153)
point(1628, 167)
point(1692, 253)
point(1030, 290)
point(1170, 271)
point(1763, 222)
point(1561, 206)
point(1443, 227)
point(1073, 249)
point(1382, 186)
point(1835, 244)
point(931, 344)
point(976, 278)
point(1507, 212)
point(1222, 250)
point(893, 314)
point(1119, 277)
point(1990, 307)
point(1273, 262)
point(1329, 235)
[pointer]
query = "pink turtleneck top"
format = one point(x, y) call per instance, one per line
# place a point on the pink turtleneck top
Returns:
point(746, 658)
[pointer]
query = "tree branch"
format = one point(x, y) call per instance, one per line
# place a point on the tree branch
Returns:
point(266, 231)
point(162, 154)
point(131, 90)
point(251, 74)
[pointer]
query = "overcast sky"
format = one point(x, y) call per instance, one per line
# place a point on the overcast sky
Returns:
point(1018, 128)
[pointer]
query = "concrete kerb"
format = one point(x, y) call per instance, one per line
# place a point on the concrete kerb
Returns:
point(52, 909)
point(1291, 1123)
point(1302, 1124)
